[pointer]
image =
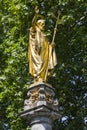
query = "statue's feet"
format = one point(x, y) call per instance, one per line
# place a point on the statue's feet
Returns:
point(38, 79)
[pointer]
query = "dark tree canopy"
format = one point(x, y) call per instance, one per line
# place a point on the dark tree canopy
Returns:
point(70, 78)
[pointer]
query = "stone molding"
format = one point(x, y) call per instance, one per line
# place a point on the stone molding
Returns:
point(41, 106)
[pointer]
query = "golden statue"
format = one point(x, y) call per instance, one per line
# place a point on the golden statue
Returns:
point(41, 54)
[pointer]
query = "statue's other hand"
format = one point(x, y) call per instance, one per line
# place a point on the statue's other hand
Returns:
point(53, 44)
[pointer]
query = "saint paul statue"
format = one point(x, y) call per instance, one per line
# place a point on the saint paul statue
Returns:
point(41, 53)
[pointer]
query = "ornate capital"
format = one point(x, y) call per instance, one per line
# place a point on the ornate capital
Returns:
point(41, 94)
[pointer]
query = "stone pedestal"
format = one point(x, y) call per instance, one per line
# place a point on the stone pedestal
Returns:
point(41, 107)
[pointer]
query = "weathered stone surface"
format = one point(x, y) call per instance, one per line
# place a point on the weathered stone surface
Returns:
point(41, 107)
point(40, 94)
point(41, 123)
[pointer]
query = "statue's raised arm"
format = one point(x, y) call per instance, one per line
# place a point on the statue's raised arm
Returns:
point(41, 54)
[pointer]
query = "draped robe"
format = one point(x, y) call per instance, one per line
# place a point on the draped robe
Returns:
point(41, 54)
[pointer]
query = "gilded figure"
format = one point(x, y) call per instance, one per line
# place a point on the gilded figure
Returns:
point(41, 53)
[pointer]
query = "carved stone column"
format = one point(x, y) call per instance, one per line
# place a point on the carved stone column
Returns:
point(41, 107)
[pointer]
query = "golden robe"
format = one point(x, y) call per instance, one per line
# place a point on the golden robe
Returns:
point(41, 54)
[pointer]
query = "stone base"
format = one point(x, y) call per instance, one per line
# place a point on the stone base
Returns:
point(41, 107)
point(41, 123)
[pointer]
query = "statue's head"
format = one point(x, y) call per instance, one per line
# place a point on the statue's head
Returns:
point(41, 23)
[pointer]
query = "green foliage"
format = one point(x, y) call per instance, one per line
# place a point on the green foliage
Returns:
point(70, 79)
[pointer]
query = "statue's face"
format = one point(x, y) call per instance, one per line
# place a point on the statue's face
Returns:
point(41, 24)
